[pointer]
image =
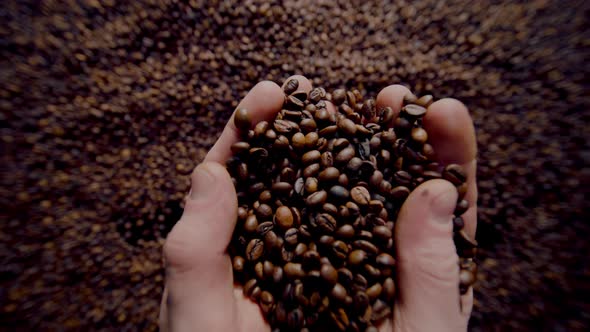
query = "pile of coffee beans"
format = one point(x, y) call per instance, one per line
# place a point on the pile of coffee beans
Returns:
point(106, 107)
point(319, 192)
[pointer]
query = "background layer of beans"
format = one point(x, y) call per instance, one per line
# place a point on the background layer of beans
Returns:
point(106, 107)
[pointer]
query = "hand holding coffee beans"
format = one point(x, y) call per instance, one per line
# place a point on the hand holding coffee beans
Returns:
point(335, 208)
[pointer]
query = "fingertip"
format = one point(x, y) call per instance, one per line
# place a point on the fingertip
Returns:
point(392, 96)
point(451, 131)
point(304, 83)
point(435, 198)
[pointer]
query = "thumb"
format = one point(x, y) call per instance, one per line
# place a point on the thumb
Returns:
point(428, 269)
point(198, 271)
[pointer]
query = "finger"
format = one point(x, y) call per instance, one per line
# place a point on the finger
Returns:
point(452, 135)
point(392, 96)
point(304, 83)
point(427, 262)
point(263, 101)
point(199, 278)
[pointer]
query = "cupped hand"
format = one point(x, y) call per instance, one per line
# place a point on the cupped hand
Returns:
point(200, 294)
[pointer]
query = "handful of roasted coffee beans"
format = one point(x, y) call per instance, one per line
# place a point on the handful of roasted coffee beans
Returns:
point(319, 193)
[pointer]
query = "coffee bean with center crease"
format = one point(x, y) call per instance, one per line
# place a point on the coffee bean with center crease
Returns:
point(264, 228)
point(295, 319)
point(291, 236)
point(255, 249)
point(360, 195)
point(340, 249)
point(291, 86)
point(317, 198)
point(266, 301)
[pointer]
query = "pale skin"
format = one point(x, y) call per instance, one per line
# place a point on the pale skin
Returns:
point(200, 294)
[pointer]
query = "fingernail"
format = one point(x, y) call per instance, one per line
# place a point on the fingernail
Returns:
point(202, 181)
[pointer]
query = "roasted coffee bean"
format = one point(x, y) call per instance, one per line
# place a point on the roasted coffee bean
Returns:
point(359, 282)
point(339, 193)
point(291, 86)
point(300, 249)
point(298, 141)
point(311, 170)
point(277, 274)
point(264, 212)
point(291, 236)
point(255, 249)
point(271, 240)
point(310, 157)
point(414, 110)
point(326, 159)
point(347, 127)
point(345, 232)
point(311, 185)
point(360, 195)
point(338, 293)
point(266, 301)
point(458, 224)
point(242, 119)
point(345, 155)
point(259, 271)
point(455, 174)
point(367, 246)
point(328, 131)
point(380, 310)
point(284, 217)
point(265, 196)
point(373, 272)
point(340, 319)
point(374, 291)
point(403, 178)
point(462, 190)
point(263, 228)
point(462, 207)
point(419, 135)
point(329, 274)
point(382, 232)
point(400, 193)
point(325, 241)
point(311, 260)
point(295, 319)
point(330, 174)
point(317, 199)
point(385, 260)
point(356, 257)
point(340, 249)
point(238, 263)
point(311, 140)
point(240, 148)
point(338, 96)
point(251, 224)
point(251, 289)
point(293, 270)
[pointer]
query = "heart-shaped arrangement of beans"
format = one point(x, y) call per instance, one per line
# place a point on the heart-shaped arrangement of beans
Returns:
point(319, 193)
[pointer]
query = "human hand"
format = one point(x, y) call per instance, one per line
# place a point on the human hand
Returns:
point(200, 294)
